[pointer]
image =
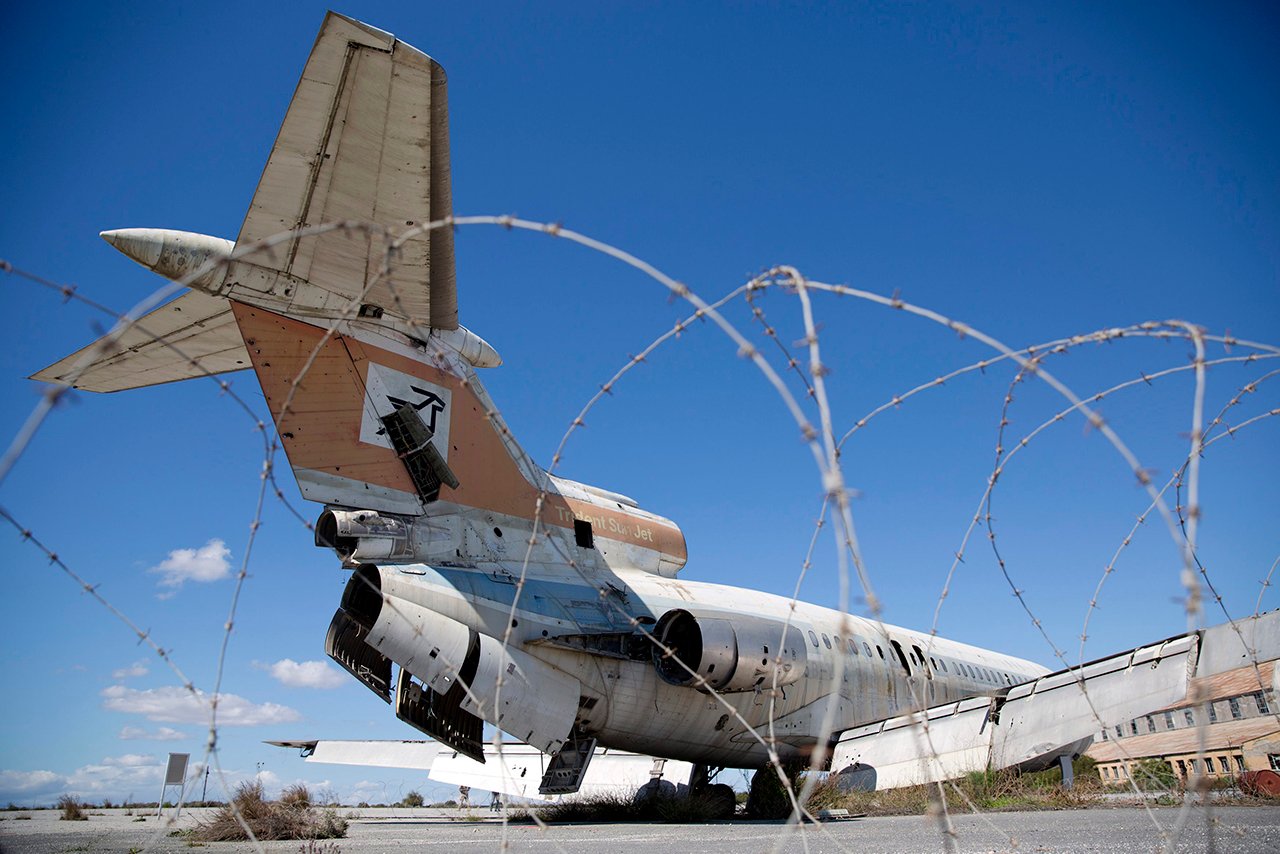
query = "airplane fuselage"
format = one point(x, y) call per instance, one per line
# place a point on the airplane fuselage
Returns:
point(873, 673)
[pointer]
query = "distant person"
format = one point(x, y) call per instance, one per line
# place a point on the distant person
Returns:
point(464, 796)
point(495, 803)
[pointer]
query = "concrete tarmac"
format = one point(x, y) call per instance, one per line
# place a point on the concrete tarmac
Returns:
point(1243, 829)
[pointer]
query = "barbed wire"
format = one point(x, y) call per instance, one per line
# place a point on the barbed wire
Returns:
point(822, 442)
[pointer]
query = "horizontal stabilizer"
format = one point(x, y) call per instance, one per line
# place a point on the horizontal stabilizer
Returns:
point(192, 336)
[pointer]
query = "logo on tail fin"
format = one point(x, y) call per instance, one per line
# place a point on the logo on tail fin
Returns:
point(429, 401)
point(387, 388)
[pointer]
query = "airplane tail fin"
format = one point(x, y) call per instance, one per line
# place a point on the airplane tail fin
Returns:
point(374, 420)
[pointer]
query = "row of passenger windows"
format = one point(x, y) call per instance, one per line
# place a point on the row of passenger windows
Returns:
point(979, 674)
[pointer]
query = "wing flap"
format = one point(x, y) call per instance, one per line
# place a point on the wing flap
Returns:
point(192, 336)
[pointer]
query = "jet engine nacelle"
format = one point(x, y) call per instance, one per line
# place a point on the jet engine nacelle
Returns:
point(743, 654)
point(503, 685)
point(362, 536)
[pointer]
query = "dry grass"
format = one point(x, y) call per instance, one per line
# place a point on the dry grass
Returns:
point(668, 809)
point(987, 791)
point(291, 817)
point(71, 810)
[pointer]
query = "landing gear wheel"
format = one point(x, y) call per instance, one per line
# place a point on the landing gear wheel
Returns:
point(722, 798)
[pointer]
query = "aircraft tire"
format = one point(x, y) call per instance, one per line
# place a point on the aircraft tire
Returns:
point(724, 799)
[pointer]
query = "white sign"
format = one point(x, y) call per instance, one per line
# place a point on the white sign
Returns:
point(176, 773)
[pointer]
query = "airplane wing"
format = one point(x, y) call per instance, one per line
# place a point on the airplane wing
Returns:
point(191, 336)
point(419, 754)
point(1054, 716)
point(517, 772)
point(365, 139)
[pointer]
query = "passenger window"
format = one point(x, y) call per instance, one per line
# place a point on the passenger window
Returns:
point(866, 648)
point(826, 640)
point(813, 637)
point(853, 647)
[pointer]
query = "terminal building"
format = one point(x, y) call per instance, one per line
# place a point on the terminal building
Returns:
point(1241, 731)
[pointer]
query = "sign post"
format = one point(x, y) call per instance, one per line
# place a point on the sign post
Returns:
point(175, 774)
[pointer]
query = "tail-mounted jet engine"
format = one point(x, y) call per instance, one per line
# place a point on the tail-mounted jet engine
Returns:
point(727, 655)
point(359, 536)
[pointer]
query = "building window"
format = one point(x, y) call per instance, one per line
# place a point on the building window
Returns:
point(1133, 726)
point(1239, 762)
point(1119, 731)
point(1190, 716)
point(1213, 714)
point(1151, 724)
point(1182, 768)
point(1261, 699)
point(1105, 737)
point(1168, 720)
point(1222, 763)
point(1234, 703)
point(1195, 765)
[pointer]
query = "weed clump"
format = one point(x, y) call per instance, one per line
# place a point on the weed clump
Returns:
point(291, 817)
point(71, 810)
point(983, 790)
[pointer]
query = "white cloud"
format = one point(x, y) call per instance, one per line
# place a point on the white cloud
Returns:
point(138, 668)
point(207, 563)
point(117, 774)
point(114, 777)
point(172, 704)
point(164, 733)
point(17, 785)
point(303, 674)
point(131, 760)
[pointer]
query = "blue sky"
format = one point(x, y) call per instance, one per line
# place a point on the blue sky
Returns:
point(1037, 171)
